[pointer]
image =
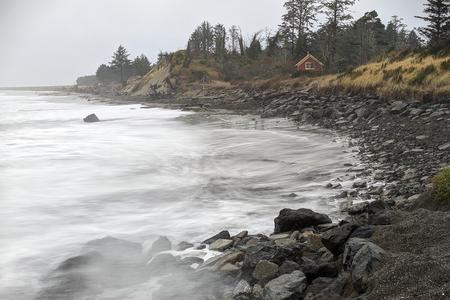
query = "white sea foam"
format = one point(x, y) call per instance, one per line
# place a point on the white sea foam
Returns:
point(141, 173)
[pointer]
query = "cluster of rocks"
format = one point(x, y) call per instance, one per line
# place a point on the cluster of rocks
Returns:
point(307, 257)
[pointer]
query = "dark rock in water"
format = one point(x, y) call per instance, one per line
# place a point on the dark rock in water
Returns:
point(184, 245)
point(107, 262)
point(225, 235)
point(80, 261)
point(162, 264)
point(334, 239)
point(91, 119)
point(221, 245)
point(192, 260)
point(291, 220)
point(160, 245)
point(288, 286)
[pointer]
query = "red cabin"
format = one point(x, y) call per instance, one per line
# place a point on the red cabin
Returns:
point(309, 64)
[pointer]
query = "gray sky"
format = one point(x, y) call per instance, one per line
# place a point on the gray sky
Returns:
point(48, 42)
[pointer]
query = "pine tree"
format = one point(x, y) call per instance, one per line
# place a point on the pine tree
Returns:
point(438, 19)
point(297, 23)
point(337, 13)
point(255, 49)
point(141, 65)
point(414, 41)
point(220, 38)
point(397, 36)
point(120, 61)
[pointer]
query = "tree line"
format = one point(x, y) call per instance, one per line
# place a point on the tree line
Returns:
point(121, 67)
point(340, 41)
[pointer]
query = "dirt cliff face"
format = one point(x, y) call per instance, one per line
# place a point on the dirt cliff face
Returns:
point(156, 82)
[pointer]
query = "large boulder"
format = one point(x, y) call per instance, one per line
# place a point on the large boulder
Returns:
point(286, 287)
point(360, 257)
point(92, 118)
point(291, 220)
point(363, 263)
point(334, 239)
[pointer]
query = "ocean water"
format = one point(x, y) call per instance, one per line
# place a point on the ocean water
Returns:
point(144, 172)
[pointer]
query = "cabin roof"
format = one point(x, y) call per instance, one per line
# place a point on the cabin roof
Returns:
point(308, 57)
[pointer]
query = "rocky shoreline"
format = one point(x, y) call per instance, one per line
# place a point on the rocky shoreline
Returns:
point(387, 248)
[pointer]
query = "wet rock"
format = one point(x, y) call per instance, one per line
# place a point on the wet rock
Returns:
point(243, 290)
point(92, 118)
point(288, 286)
point(241, 235)
point(265, 270)
point(221, 235)
point(334, 239)
point(290, 220)
point(160, 245)
point(360, 185)
point(162, 264)
point(230, 257)
point(184, 245)
point(221, 245)
point(230, 268)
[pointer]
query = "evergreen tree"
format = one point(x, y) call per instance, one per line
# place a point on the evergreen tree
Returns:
point(220, 38)
point(414, 41)
point(337, 13)
point(297, 23)
point(141, 65)
point(234, 34)
point(255, 49)
point(367, 36)
point(202, 40)
point(120, 61)
point(438, 19)
point(397, 36)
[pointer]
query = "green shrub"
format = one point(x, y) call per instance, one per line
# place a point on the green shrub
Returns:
point(441, 185)
point(445, 65)
point(423, 74)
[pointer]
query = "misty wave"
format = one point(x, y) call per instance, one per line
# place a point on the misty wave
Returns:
point(142, 174)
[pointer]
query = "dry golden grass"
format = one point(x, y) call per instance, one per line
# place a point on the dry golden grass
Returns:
point(412, 76)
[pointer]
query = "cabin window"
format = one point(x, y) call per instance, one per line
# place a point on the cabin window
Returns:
point(310, 66)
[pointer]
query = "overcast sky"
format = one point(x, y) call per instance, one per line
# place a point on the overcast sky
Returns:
point(48, 42)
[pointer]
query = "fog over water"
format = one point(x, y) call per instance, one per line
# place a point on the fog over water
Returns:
point(141, 173)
